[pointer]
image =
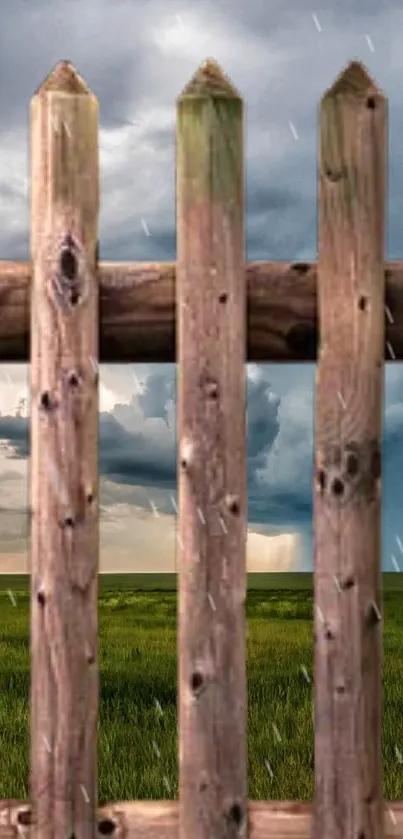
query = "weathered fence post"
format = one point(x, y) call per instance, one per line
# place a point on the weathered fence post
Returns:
point(352, 177)
point(64, 457)
point(211, 312)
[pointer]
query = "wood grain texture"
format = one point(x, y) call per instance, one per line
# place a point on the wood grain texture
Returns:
point(64, 457)
point(349, 400)
point(160, 820)
point(137, 311)
point(211, 306)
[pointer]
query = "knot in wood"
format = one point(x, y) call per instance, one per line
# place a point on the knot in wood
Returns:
point(235, 814)
point(73, 380)
point(211, 389)
point(197, 682)
point(349, 472)
point(186, 454)
point(67, 281)
point(208, 385)
point(203, 783)
point(47, 402)
point(335, 173)
point(347, 582)
point(300, 268)
point(232, 502)
point(24, 817)
point(329, 633)
point(89, 496)
point(89, 654)
point(68, 264)
point(40, 596)
point(106, 827)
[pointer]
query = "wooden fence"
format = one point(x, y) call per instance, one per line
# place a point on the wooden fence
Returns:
point(227, 312)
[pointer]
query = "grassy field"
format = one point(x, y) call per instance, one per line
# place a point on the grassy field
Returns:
point(167, 582)
point(138, 741)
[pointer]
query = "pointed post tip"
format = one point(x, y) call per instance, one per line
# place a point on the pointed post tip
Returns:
point(354, 80)
point(208, 81)
point(64, 78)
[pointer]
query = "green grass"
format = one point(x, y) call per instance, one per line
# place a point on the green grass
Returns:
point(138, 667)
point(292, 581)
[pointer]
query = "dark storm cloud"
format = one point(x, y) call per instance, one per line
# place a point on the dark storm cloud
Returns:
point(262, 423)
point(139, 458)
point(292, 508)
point(124, 457)
point(132, 458)
point(14, 431)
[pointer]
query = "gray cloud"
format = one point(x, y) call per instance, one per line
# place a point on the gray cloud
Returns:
point(148, 457)
point(137, 59)
point(137, 466)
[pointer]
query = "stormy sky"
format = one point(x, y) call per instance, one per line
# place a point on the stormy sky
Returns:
point(137, 57)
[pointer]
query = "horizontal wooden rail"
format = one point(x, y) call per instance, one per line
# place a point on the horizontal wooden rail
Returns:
point(159, 820)
point(137, 317)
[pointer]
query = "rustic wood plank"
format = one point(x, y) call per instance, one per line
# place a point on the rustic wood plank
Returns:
point(64, 456)
point(211, 306)
point(160, 820)
point(137, 311)
point(349, 392)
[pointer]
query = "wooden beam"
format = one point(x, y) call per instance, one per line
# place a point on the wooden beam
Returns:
point(64, 456)
point(347, 499)
point(211, 339)
point(137, 311)
point(160, 820)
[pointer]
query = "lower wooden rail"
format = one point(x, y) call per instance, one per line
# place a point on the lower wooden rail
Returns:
point(160, 820)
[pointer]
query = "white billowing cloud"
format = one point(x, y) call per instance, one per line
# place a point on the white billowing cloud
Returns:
point(145, 541)
point(273, 553)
